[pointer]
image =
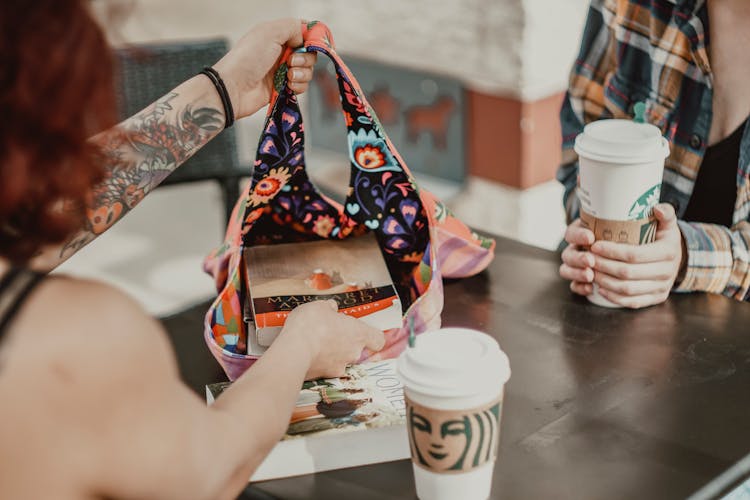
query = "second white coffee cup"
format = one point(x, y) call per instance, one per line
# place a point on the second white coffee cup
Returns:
point(454, 382)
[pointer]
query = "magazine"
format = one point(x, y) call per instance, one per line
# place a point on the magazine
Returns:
point(352, 420)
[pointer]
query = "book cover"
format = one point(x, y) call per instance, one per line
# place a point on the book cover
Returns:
point(343, 422)
point(352, 272)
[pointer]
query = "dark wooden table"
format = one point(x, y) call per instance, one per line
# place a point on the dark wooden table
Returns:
point(601, 403)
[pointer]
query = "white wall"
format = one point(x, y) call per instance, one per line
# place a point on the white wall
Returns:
point(550, 44)
point(520, 48)
point(147, 20)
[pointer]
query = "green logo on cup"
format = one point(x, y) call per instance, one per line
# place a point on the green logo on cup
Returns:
point(453, 440)
point(643, 205)
point(648, 233)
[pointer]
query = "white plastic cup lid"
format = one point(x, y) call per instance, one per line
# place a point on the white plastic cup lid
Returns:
point(621, 141)
point(454, 362)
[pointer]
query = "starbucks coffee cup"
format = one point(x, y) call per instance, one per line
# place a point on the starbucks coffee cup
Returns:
point(454, 381)
point(621, 163)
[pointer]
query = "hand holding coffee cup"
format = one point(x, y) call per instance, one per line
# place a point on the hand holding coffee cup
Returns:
point(644, 275)
point(625, 250)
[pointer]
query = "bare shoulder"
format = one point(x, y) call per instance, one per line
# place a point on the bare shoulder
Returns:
point(86, 327)
point(76, 357)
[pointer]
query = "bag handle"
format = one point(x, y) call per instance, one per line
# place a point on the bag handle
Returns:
point(383, 196)
point(318, 38)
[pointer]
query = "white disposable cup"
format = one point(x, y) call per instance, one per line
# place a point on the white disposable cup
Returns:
point(621, 164)
point(454, 380)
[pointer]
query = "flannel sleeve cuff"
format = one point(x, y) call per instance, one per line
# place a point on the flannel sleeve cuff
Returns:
point(709, 258)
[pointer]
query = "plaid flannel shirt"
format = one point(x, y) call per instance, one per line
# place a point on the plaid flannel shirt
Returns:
point(655, 51)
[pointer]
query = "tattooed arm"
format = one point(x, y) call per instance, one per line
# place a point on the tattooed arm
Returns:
point(140, 152)
point(143, 150)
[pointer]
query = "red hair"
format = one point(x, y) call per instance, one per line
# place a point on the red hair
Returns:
point(56, 90)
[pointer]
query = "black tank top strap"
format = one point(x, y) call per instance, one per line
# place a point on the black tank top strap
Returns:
point(15, 287)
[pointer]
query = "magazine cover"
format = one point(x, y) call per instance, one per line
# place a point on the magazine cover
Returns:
point(352, 420)
point(368, 396)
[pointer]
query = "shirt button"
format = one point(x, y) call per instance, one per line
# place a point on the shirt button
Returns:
point(695, 141)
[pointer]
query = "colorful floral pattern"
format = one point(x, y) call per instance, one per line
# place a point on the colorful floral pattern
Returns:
point(269, 186)
point(370, 152)
point(282, 205)
point(324, 225)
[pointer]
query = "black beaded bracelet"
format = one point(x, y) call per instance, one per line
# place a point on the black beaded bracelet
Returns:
point(213, 75)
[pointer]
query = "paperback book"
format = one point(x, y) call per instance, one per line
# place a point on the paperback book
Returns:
point(349, 421)
point(352, 272)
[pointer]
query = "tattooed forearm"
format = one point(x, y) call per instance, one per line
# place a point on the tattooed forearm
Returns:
point(138, 154)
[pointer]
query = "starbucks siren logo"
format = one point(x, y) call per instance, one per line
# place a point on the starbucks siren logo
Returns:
point(643, 205)
point(642, 209)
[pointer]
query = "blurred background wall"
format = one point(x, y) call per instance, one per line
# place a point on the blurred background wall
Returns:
point(510, 57)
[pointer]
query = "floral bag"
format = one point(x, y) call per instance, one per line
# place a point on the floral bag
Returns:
point(421, 241)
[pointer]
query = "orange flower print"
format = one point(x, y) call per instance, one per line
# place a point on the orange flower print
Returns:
point(369, 151)
point(348, 119)
point(323, 225)
point(269, 186)
point(369, 157)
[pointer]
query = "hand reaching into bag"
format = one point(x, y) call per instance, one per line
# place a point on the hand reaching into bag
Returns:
point(333, 340)
point(248, 69)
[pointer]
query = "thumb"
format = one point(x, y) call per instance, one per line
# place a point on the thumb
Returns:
point(375, 339)
point(666, 216)
point(291, 33)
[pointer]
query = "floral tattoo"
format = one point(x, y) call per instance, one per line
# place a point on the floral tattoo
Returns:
point(138, 155)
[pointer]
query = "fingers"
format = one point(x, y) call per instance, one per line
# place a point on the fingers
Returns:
point(374, 339)
point(576, 234)
point(576, 265)
point(666, 217)
point(623, 271)
point(303, 59)
point(633, 254)
point(581, 288)
point(634, 302)
point(575, 257)
point(287, 31)
point(299, 75)
point(300, 72)
point(366, 335)
point(631, 288)
point(585, 275)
